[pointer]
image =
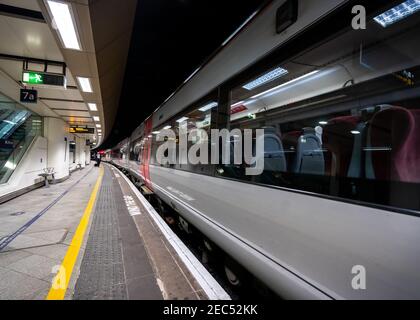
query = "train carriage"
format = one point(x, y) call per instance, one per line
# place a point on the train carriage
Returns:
point(340, 110)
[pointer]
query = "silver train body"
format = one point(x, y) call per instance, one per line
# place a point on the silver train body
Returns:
point(301, 244)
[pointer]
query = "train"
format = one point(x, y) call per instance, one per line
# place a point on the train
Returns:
point(335, 214)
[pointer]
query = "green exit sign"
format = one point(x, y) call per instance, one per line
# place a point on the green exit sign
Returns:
point(43, 78)
point(33, 78)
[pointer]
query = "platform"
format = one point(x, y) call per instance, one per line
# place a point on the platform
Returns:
point(94, 237)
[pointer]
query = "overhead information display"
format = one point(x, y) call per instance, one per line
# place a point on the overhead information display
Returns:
point(75, 129)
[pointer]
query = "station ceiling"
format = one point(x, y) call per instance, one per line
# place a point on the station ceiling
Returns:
point(171, 38)
point(104, 30)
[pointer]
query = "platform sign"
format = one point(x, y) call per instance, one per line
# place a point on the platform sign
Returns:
point(86, 130)
point(42, 78)
point(28, 96)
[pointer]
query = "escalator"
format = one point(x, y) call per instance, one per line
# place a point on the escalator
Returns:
point(10, 121)
point(17, 131)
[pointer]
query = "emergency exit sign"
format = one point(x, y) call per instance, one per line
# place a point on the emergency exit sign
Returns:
point(33, 78)
point(42, 78)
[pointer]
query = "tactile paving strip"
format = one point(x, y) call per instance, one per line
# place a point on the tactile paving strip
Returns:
point(102, 272)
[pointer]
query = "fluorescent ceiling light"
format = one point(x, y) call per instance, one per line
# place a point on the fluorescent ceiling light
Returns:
point(270, 76)
point(10, 165)
point(355, 132)
point(9, 122)
point(285, 84)
point(156, 132)
point(98, 125)
point(167, 128)
point(93, 107)
point(398, 13)
point(85, 84)
point(209, 106)
point(182, 119)
point(63, 20)
point(323, 123)
point(96, 118)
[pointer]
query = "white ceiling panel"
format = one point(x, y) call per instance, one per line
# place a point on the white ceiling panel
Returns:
point(72, 113)
point(54, 104)
point(28, 38)
point(36, 37)
point(72, 94)
point(70, 79)
point(69, 94)
point(26, 4)
point(12, 68)
point(9, 41)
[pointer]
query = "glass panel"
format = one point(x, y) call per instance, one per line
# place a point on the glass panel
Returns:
point(18, 128)
point(341, 119)
point(195, 127)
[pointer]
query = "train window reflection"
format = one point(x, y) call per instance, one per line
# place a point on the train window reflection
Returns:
point(339, 121)
point(198, 117)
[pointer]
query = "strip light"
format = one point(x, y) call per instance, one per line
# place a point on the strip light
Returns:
point(93, 107)
point(97, 119)
point(398, 13)
point(98, 126)
point(167, 127)
point(273, 90)
point(182, 119)
point(85, 84)
point(270, 76)
point(63, 20)
point(209, 106)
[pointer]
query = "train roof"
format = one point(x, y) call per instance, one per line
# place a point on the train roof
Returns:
point(255, 39)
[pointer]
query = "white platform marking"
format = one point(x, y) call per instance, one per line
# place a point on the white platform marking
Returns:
point(210, 286)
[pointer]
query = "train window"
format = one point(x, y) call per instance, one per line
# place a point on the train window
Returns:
point(198, 117)
point(135, 150)
point(340, 121)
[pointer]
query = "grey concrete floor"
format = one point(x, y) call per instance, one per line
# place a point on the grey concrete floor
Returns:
point(27, 263)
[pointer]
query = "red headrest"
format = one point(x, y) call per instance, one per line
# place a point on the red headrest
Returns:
point(398, 129)
point(291, 138)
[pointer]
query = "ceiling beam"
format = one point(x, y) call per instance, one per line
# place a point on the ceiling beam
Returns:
point(61, 100)
point(21, 13)
point(33, 60)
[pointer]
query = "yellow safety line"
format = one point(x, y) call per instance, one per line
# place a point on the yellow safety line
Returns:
point(65, 270)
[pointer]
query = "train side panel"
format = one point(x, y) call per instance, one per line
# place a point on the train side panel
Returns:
point(315, 241)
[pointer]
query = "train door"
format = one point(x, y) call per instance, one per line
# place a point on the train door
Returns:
point(146, 152)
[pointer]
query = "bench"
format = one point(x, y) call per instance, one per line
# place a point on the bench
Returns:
point(47, 173)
